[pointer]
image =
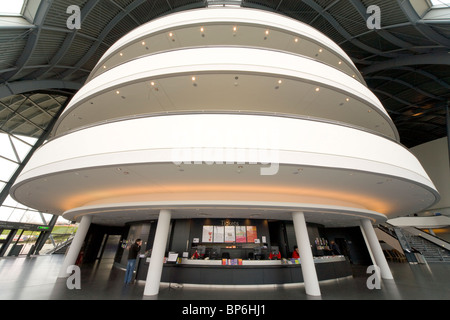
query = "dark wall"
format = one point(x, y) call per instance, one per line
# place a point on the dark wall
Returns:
point(94, 239)
point(180, 235)
point(313, 233)
point(353, 240)
point(277, 233)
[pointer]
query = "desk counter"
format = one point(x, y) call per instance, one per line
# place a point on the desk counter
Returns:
point(251, 272)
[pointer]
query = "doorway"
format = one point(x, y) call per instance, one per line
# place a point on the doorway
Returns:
point(343, 247)
point(109, 247)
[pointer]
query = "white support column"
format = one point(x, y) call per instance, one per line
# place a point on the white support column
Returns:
point(157, 259)
point(375, 247)
point(306, 258)
point(75, 246)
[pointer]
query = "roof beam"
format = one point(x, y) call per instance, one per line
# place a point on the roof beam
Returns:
point(423, 28)
point(45, 133)
point(17, 87)
point(102, 35)
point(15, 113)
point(406, 84)
point(427, 75)
point(344, 32)
point(39, 19)
point(87, 8)
point(430, 58)
point(359, 6)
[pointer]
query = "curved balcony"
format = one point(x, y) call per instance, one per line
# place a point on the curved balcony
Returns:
point(219, 79)
point(226, 27)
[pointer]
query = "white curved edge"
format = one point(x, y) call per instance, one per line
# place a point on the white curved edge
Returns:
point(211, 60)
point(421, 222)
point(326, 145)
point(375, 217)
point(232, 16)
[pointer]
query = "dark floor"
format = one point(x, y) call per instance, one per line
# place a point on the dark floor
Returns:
point(35, 278)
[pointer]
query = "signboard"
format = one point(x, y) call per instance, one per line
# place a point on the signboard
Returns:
point(241, 234)
point(24, 226)
point(219, 234)
point(207, 235)
point(251, 233)
point(230, 234)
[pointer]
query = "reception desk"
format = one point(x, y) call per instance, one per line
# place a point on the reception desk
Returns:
point(251, 272)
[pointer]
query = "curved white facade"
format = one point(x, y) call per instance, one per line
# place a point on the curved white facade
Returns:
point(227, 113)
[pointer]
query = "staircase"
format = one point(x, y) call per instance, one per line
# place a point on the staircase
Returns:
point(431, 251)
point(61, 248)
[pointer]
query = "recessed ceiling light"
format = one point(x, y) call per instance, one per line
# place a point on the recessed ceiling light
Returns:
point(235, 28)
point(347, 99)
point(202, 29)
point(340, 62)
point(117, 92)
point(296, 40)
point(320, 50)
point(121, 54)
point(170, 34)
point(143, 43)
point(267, 32)
point(193, 78)
point(317, 89)
point(152, 83)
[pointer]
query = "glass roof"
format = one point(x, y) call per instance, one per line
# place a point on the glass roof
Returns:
point(8, 7)
point(440, 3)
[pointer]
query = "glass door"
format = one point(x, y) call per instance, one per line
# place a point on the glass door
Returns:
point(14, 247)
point(3, 239)
point(27, 241)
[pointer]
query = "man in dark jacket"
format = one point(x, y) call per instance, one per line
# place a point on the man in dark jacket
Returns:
point(132, 256)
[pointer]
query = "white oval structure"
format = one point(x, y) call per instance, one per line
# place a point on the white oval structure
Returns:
point(235, 112)
point(250, 98)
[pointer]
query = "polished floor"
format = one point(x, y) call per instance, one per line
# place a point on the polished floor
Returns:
point(35, 278)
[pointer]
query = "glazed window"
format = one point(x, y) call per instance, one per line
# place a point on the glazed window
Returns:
point(12, 8)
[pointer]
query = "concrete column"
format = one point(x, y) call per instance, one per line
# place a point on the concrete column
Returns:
point(157, 259)
point(375, 247)
point(75, 246)
point(306, 258)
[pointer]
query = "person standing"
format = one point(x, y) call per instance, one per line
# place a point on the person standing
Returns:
point(295, 254)
point(132, 256)
point(334, 248)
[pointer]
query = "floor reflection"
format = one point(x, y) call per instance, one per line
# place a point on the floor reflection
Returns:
point(36, 279)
